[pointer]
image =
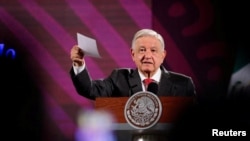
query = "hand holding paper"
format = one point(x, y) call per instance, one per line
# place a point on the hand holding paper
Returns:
point(88, 45)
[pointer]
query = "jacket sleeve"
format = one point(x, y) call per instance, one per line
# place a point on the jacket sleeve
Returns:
point(91, 89)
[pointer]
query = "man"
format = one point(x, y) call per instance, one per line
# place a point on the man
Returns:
point(148, 52)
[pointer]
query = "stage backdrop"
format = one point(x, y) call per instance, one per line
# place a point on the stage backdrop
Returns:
point(42, 32)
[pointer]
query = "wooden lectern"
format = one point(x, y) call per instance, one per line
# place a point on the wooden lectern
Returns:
point(172, 107)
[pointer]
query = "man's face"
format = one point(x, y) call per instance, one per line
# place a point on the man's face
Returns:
point(148, 54)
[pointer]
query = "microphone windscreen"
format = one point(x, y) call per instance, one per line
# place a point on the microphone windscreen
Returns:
point(153, 87)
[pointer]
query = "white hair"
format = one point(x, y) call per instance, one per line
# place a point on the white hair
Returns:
point(147, 32)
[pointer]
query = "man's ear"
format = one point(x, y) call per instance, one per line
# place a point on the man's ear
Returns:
point(164, 54)
point(132, 53)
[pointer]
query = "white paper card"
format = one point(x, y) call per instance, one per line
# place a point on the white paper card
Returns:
point(88, 45)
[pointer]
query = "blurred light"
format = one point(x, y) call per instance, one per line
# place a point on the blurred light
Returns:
point(140, 139)
point(8, 53)
point(95, 125)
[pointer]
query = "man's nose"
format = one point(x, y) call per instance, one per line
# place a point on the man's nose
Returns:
point(148, 53)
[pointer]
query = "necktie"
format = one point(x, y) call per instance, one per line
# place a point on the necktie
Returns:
point(147, 81)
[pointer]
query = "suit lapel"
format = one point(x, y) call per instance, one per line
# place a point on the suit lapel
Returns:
point(135, 82)
point(165, 85)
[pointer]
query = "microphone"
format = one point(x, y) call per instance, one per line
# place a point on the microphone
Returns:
point(153, 87)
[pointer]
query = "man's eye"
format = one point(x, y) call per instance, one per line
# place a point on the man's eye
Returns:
point(142, 50)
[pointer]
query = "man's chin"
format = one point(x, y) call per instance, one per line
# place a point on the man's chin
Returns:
point(146, 68)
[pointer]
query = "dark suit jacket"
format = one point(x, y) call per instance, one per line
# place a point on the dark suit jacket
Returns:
point(125, 82)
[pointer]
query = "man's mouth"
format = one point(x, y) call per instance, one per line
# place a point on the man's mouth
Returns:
point(146, 62)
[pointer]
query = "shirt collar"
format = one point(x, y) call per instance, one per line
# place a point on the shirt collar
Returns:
point(156, 76)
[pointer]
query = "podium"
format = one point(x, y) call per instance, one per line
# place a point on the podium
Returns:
point(172, 108)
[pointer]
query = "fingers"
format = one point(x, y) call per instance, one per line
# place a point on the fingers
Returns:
point(76, 55)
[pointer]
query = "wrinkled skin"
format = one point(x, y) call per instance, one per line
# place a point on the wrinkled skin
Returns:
point(148, 55)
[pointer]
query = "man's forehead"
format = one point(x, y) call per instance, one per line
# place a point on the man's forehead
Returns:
point(148, 41)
